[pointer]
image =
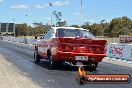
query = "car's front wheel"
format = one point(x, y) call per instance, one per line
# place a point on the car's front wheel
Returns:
point(52, 63)
point(36, 57)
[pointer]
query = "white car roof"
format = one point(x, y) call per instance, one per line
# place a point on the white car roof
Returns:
point(68, 28)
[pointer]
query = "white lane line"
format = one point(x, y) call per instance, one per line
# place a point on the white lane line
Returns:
point(120, 60)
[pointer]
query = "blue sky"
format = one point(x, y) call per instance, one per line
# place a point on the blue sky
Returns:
point(39, 10)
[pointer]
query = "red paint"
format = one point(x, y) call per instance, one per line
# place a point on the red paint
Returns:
point(116, 50)
point(64, 48)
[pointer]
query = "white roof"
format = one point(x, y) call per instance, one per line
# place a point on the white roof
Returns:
point(68, 28)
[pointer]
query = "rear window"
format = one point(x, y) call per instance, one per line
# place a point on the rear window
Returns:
point(74, 33)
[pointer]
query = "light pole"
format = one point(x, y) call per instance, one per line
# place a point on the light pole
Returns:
point(0, 28)
point(51, 18)
point(14, 27)
point(27, 34)
point(50, 4)
point(81, 13)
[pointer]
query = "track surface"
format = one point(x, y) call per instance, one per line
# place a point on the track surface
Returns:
point(21, 57)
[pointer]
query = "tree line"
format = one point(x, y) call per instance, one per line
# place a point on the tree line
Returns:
point(114, 28)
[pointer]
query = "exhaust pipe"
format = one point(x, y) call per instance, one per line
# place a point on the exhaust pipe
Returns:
point(92, 65)
point(92, 60)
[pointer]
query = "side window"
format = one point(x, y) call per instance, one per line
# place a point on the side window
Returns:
point(49, 34)
point(87, 35)
point(46, 37)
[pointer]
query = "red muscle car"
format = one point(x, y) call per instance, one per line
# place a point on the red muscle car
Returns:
point(69, 44)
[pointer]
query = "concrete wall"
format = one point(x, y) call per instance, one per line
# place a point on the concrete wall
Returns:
point(20, 40)
point(121, 51)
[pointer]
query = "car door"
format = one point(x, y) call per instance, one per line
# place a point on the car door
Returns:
point(45, 43)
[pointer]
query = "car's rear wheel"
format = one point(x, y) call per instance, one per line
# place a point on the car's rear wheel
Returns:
point(92, 66)
point(36, 57)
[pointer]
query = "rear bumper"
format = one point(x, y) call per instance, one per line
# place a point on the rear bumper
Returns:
point(70, 56)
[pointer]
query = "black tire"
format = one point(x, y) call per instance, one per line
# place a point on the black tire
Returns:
point(36, 57)
point(52, 63)
point(92, 67)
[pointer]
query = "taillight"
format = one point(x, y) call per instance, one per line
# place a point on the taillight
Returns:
point(98, 50)
point(95, 50)
point(60, 48)
point(90, 49)
point(65, 48)
point(81, 49)
point(74, 48)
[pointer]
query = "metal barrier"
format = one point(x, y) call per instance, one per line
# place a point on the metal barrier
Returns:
point(1, 37)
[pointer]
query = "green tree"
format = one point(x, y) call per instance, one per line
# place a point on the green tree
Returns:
point(40, 28)
point(21, 29)
point(76, 26)
point(95, 29)
point(120, 26)
point(58, 16)
point(104, 28)
point(116, 27)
